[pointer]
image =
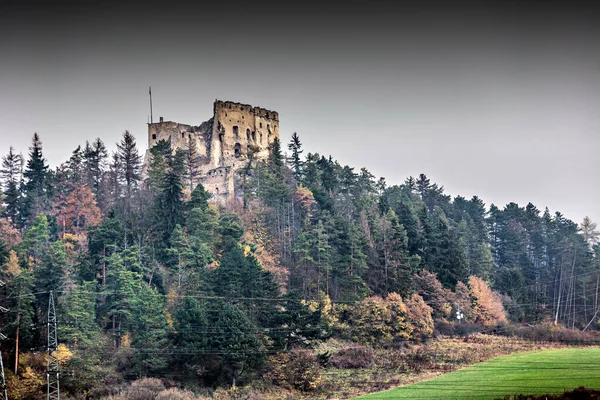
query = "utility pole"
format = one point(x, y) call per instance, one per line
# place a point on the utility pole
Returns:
point(3, 394)
point(52, 371)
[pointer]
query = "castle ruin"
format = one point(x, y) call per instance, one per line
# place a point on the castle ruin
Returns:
point(222, 143)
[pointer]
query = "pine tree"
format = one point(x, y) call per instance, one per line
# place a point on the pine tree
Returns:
point(36, 239)
point(115, 173)
point(95, 156)
point(103, 241)
point(192, 161)
point(295, 161)
point(410, 183)
point(76, 173)
point(231, 350)
point(177, 257)
point(123, 282)
point(22, 328)
point(275, 160)
point(130, 161)
point(149, 327)
point(52, 273)
point(169, 202)
point(36, 171)
point(422, 185)
point(589, 232)
point(322, 256)
point(395, 258)
point(299, 324)
point(11, 173)
point(79, 327)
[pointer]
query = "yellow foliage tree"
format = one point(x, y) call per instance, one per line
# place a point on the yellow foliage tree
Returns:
point(401, 328)
point(64, 354)
point(378, 321)
point(487, 304)
point(419, 316)
point(328, 315)
point(28, 383)
point(12, 266)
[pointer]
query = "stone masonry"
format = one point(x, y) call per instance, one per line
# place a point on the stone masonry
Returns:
point(222, 143)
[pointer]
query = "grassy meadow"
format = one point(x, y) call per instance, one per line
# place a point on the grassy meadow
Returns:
point(532, 372)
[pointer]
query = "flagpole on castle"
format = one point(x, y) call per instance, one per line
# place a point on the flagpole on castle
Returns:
point(150, 93)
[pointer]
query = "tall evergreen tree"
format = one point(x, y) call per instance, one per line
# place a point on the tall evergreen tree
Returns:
point(95, 156)
point(192, 161)
point(35, 174)
point(115, 174)
point(295, 160)
point(233, 348)
point(169, 206)
point(75, 167)
point(11, 173)
point(275, 161)
point(149, 327)
point(131, 162)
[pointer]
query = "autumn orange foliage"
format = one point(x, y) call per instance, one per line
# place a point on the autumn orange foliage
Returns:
point(77, 211)
point(8, 234)
point(487, 304)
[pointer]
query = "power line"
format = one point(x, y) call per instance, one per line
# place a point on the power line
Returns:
point(3, 393)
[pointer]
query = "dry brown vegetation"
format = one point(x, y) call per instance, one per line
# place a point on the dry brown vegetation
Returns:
point(418, 361)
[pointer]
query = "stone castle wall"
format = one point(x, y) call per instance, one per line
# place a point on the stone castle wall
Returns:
point(222, 143)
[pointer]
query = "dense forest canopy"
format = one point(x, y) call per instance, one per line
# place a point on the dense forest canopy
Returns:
point(152, 278)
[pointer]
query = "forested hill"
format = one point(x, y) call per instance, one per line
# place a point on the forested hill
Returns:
point(151, 278)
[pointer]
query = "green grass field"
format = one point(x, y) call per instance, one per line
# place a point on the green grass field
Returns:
point(534, 372)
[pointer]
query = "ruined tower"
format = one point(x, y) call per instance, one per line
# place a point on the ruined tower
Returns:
point(222, 143)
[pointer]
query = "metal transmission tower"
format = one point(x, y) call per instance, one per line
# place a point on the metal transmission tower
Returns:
point(3, 394)
point(52, 372)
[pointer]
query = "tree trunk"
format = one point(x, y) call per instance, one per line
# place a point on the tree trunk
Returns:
point(17, 336)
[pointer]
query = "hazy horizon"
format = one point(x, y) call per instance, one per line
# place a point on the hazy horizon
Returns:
point(498, 100)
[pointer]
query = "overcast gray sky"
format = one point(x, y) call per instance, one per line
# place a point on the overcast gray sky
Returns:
point(500, 100)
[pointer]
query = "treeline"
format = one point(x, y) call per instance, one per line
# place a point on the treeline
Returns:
point(151, 278)
point(350, 235)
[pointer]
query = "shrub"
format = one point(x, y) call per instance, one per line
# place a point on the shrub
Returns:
point(145, 389)
point(175, 394)
point(548, 332)
point(478, 339)
point(378, 321)
point(434, 294)
point(419, 316)
point(352, 358)
point(419, 360)
point(298, 369)
point(443, 328)
point(462, 329)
